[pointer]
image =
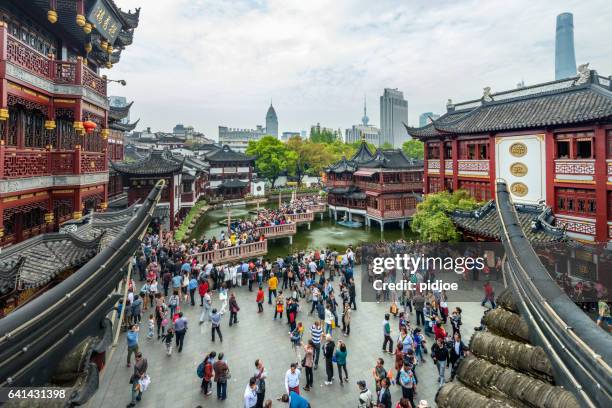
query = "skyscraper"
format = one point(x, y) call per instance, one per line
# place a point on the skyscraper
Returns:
point(363, 131)
point(565, 57)
point(393, 115)
point(426, 117)
point(271, 122)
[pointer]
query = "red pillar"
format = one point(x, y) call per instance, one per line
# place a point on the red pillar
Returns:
point(549, 145)
point(455, 158)
point(425, 171)
point(492, 185)
point(601, 178)
point(442, 171)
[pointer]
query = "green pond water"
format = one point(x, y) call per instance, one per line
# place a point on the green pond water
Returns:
point(322, 234)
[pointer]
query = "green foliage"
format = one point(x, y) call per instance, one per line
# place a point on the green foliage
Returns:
point(323, 135)
point(431, 221)
point(414, 149)
point(181, 231)
point(273, 157)
point(311, 158)
point(386, 146)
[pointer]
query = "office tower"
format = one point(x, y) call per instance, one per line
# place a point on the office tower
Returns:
point(565, 57)
point(271, 122)
point(393, 115)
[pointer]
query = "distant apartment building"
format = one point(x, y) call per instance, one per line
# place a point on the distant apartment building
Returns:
point(238, 139)
point(427, 117)
point(393, 115)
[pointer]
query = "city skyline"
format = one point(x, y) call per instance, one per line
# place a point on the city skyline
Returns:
point(318, 69)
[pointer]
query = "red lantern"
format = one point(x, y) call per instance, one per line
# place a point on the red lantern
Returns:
point(89, 126)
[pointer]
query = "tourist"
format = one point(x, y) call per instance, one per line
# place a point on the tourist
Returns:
point(180, 329)
point(379, 373)
point(489, 295)
point(295, 400)
point(352, 293)
point(423, 404)
point(280, 306)
point(260, 300)
point(150, 327)
point(167, 340)
point(439, 353)
point(366, 400)
point(206, 309)
point(292, 379)
point(202, 290)
point(160, 314)
point(387, 335)
point(215, 319)
point(234, 309)
point(308, 364)
point(340, 357)
point(407, 382)
point(174, 302)
point(315, 335)
point(456, 321)
point(457, 352)
point(384, 396)
point(328, 354)
point(419, 344)
point(260, 376)
point(136, 309)
point(329, 319)
point(132, 342)
point(192, 286)
point(250, 393)
point(419, 303)
point(404, 403)
point(346, 319)
point(140, 371)
point(208, 362)
point(603, 314)
point(176, 283)
point(272, 284)
point(221, 370)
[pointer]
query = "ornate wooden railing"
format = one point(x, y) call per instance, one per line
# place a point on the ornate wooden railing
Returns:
point(276, 231)
point(579, 170)
point(338, 183)
point(234, 253)
point(408, 212)
point(93, 162)
point(300, 217)
point(61, 72)
point(21, 163)
point(391, 187)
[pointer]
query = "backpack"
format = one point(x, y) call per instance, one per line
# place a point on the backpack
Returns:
point(173, 301)
point(200, 370)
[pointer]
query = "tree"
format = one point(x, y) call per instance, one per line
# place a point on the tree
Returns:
point(431, 221)
point(386, 146)
point(272, 157)
point(311, 158)
point(338, 149)
point(318, 135)
point(414, 149)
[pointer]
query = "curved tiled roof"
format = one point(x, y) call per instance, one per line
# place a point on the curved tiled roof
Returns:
point(391, 159)
point(119, 112)
point(123, 127)
point(343, 166)
point(227, 154)
point(158, 162)
point(363, 154)
point(550, 104)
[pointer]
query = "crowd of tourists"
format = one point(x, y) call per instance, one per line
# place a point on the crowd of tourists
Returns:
point(317, 285)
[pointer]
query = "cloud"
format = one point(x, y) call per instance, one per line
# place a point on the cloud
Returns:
point(218, 62)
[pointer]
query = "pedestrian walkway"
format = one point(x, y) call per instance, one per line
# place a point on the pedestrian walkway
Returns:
point(174, 382)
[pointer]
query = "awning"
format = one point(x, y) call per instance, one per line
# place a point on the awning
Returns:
point(366, 172)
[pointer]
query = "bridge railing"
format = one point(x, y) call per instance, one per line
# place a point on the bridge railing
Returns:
point(275, 231)
point(300, 217)
point(234, 253)
point(317, 208)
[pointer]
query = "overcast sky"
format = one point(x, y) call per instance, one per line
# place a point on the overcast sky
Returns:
point(219, 62)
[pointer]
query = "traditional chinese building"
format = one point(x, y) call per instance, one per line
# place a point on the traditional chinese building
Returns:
point(383, 186)
point(54, 113)
point(115, 148)
point(139, 177)
point(551, 142)
point(231, 173)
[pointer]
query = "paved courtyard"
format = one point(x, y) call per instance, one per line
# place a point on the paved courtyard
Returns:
point(174, 379)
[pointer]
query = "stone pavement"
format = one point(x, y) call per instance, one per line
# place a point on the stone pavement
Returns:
point(174, 382)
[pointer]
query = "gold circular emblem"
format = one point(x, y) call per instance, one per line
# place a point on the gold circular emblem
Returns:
point(519, 189)
point(518, 169)
point(518, 149)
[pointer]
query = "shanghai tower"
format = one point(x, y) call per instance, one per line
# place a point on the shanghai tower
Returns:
point(565, 58)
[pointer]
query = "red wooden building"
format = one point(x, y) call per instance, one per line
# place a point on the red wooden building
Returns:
point(115, 147)
point(231, 173)
point(551, 142)
point(51, 89)
point(383, 186)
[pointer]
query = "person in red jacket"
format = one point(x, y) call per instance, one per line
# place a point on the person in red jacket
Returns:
point(202, 289)
point(260, 299)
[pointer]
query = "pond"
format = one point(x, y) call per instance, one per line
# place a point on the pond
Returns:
point(322, 234)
